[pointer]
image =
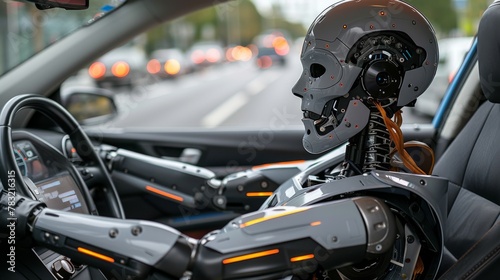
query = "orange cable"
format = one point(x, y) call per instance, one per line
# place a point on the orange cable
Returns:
point(397, 138)
point(419, 268)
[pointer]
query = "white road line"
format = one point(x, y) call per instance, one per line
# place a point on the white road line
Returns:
point(233, 104)
point(225, 110)
point(258, 85)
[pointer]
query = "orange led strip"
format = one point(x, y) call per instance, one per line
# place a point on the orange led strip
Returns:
point(95, 255)
point(277, 164)
point(302, 258)
point(317, 223)
point(270, 217)
point(251, 256)
point(259, 194)
point(164, 193)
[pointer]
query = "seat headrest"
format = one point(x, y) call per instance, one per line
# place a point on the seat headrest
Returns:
point(488, 49)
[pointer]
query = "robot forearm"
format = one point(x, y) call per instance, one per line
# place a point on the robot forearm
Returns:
point(283, 241)
point(131, 247)
point(266, 244)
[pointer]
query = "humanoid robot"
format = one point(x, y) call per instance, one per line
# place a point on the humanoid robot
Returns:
point(363, 61)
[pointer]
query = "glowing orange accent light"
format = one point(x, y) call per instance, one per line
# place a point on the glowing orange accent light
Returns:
point(271, 217)
point(153, 66)
point(73, 150)
point(251, 256)
point(277, 164)
point(164, 193)
point(95, 255)
point(260, 194)
point(317, 223)
point(120, 69)
point(302, 258)
point(97, 70)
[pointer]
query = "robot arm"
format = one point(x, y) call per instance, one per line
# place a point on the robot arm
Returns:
point(193, 186)
point(134, 248)
point(265, 244)
point(282, 241)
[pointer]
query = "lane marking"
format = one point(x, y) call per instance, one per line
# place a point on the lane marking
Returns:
point(225, 110)
point(260, 83)
point(237, 101)
point(255, 86)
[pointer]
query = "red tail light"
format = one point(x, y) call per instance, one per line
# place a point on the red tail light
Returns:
point(97, 70)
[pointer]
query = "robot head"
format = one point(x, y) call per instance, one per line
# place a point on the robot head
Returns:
point(357, 52)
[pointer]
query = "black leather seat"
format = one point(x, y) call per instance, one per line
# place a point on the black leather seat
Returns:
point(472, 164)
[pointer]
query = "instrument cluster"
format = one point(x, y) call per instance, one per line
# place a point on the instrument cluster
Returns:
point(29, 161)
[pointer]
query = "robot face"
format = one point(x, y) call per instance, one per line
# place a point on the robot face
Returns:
point(356, 52)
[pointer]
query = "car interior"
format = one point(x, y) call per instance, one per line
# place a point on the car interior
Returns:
point(463, 135)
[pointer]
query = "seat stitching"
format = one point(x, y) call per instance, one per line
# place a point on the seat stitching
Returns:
point(480, 263)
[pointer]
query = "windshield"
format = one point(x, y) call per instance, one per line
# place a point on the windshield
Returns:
point(231, 65)
point(25, 30)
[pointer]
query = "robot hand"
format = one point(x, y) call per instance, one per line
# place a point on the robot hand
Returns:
point(16, 214)
point(266, 244)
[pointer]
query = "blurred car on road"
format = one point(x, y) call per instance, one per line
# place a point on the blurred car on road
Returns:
point(452, 52)
point(168, 63)
point(268, 57)
point(272, 49)
point(240, 53)
point(123, 66)
point(206, 53)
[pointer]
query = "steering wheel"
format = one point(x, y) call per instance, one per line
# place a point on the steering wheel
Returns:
point(78, 137)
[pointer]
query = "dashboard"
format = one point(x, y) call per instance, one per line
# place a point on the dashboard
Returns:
point(28, 161)
point(48, 180)
point(47, 166)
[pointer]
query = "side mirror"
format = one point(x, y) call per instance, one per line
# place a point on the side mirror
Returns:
point(89, 105)
point(64, 4)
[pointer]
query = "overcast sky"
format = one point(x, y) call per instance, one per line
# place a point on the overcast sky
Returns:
point(297, 10)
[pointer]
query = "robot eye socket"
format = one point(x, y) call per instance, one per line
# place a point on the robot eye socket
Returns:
point(317, 70)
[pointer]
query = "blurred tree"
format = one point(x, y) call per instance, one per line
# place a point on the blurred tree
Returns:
point(236, 22)
point(277, 20)
point(250, 22)
point(472, 15)
point(441, 13)
point(155, 38)
point(201, 19)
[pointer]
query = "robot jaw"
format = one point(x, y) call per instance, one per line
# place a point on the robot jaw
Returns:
point(326, 132)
